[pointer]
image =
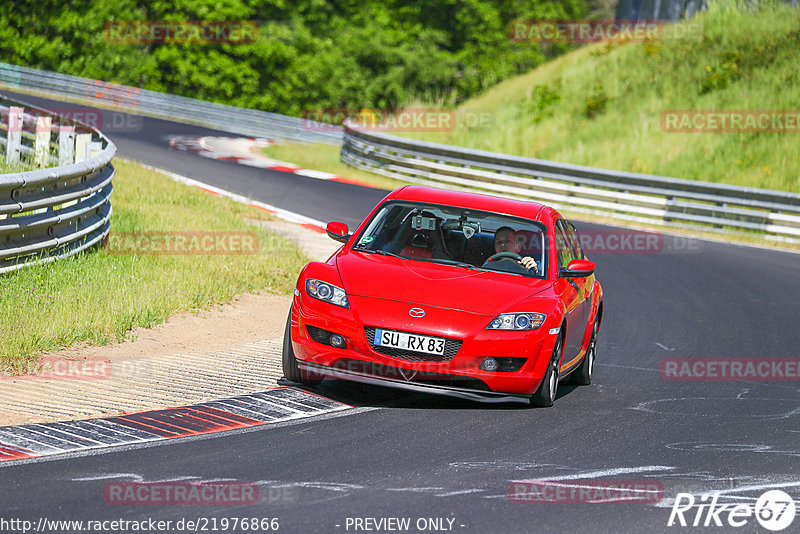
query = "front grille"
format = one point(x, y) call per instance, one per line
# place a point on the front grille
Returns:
point(451, 347)
point(408, 375)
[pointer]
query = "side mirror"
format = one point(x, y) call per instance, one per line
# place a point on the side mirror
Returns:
point(338, 231)
point(578, 269)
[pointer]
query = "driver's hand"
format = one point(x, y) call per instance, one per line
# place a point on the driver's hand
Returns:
point(529, 263)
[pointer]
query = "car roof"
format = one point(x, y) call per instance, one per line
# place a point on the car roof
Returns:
point(476, 201)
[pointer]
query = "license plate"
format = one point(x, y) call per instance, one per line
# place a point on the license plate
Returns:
point(415, 342)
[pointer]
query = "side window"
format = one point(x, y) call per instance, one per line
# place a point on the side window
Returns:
point(562, 246)
point(574, 240)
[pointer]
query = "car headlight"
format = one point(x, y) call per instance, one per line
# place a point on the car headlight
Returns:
point(517, 321)
point(327, 292)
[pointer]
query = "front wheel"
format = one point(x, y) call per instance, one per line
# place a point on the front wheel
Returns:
point(546, 394)
point(290, 369)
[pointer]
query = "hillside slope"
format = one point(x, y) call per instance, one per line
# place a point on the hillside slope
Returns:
point(603, 105)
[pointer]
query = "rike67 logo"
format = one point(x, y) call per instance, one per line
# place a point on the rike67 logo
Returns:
point(774, 510)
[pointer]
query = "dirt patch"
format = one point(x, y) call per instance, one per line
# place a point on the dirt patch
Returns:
point(248, 318)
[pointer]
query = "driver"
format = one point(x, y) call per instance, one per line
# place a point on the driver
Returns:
point(505, 240)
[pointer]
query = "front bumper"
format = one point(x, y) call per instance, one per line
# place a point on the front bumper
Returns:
point(419, 387)
point(459, 377)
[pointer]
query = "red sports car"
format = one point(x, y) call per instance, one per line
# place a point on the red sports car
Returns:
point(454, 293)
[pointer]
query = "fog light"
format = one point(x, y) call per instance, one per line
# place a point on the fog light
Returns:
point(337, 341)
point(488, 364)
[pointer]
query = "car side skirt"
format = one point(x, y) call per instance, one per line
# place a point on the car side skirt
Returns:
point(461, 393)
point(571, 365)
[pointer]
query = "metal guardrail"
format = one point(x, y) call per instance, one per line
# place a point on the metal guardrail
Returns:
point(621, 195)
point(242, 121)
point(54, 212)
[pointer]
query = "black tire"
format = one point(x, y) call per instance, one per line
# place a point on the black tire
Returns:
point(290, 369)
point(548, 389)
point(582, 376)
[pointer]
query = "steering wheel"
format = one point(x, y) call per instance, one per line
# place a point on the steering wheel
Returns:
point(505, 255)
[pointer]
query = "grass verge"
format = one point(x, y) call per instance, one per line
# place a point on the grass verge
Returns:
point(23, 165)
point(97, 297)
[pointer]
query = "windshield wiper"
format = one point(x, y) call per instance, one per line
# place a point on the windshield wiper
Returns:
point(387, 253)
point(458, 264)
point(379, 251)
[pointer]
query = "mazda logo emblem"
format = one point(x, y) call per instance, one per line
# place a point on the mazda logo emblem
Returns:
point(411, 374)
point(416, 312)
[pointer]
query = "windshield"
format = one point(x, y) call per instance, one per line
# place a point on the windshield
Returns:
point(455, 236)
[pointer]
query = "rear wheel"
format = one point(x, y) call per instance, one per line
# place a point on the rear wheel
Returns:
point(290, 369)
point(582, 376)
point(548, 389)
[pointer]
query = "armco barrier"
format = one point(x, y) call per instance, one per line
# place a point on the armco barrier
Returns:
point(52, 212)
point(622, 195)
point(242, 121)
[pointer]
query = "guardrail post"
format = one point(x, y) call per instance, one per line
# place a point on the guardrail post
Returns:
point(66, 144)
point(76, 195)
point(41, 147)
point(82, 142)
point(14, 141)
point(94, 148)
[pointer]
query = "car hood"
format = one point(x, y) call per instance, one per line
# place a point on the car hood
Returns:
point(425, 283)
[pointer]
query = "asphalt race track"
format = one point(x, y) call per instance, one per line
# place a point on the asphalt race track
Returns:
point(433, 460)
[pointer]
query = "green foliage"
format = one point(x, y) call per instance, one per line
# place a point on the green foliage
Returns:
point(651, 48)
point(596, 101)
point(720, 75)
point(541, 103)
point(309, 54)
point(605, 48)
